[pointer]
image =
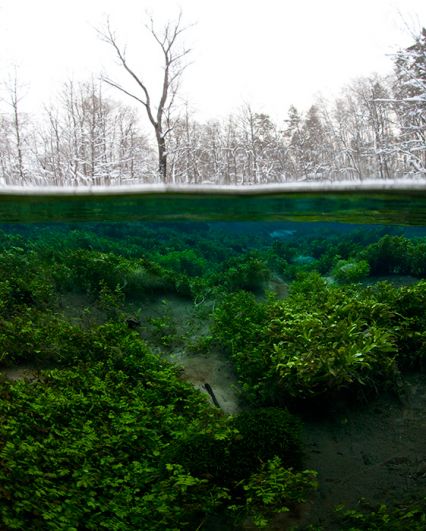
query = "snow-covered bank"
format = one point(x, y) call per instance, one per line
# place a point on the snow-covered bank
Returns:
point(364, 186)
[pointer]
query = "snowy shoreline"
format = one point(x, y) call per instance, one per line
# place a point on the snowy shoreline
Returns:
point(365, 186)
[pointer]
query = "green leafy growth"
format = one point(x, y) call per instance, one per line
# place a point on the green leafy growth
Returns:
point(405, 517)
point(261, 435)
point(82, 447)
point(319, 342)
point(274, 489)
point(389, 256)
point(346, 271)
point(245, 273)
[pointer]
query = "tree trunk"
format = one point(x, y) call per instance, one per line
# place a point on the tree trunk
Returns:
point(18, 140)
point(162, 157)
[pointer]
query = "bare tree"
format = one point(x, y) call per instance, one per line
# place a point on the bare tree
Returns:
point(159, 115)
point(13, 100)
point(89, 139)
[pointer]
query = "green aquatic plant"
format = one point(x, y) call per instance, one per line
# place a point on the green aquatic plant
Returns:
point(255, 458)
point(245, 273)
point(284, 250)
point(272, 490)
point(26, 281)
point(410, 327)
point(123, 443)
point(187, 262)
point(318, 342)
point(390, 255)
point(113, 438)
point(87, 270)
point(46, 338)
point(111, 302)
point(142, 279)
point(402, 517)
point(262, 434)
point(346, 271)
point(9, 239)
point(317, 353)
point(418, 259)
point(163, 330)
point(230, 452)
point(83, 446)
point(239, 321)
point(309, 286)
point(204, 451)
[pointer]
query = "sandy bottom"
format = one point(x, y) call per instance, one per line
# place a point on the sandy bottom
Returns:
point(192, 323)
point(377, 452)
point(19, 373)
point(214, 370)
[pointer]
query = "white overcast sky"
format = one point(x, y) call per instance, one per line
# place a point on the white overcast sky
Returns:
point(269, 53)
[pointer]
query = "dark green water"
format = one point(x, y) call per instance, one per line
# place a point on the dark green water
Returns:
point(386, 208)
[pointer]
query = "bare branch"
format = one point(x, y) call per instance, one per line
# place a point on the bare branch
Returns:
point(109, 38)
point(172, 71)
point(119, 87)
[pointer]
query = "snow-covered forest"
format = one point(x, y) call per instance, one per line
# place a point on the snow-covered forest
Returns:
point(376, 128)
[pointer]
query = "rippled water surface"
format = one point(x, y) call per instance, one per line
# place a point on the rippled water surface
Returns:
point(406, 208)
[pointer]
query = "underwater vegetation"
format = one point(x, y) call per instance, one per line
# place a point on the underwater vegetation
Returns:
point(104, 432)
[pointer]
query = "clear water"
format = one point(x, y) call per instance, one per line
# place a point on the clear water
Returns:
point(394, 208)
point(308, 302)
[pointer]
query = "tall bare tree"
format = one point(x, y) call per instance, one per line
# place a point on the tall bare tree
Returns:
point(13, 100)
point(159, 115)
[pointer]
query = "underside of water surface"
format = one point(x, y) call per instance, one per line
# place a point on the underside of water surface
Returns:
point(386, 203)
point(213, 361)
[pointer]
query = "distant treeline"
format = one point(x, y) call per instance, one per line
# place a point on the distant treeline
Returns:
point(376, 128)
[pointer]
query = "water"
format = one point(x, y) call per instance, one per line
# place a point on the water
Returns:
point(386, 207)
point(160, 350)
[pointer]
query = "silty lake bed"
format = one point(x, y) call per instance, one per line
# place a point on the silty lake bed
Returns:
point(282, 303)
